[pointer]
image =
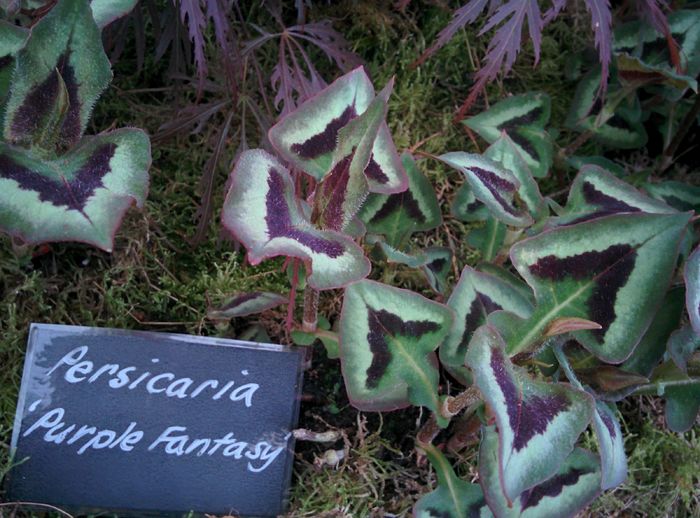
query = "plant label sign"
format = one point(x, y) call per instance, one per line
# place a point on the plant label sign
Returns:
point(144, 422)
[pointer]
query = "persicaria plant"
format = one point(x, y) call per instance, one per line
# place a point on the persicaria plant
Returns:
point(567, 315)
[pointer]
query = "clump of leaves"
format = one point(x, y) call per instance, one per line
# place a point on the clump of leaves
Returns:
point(575, 310)
point(509, 20)
point(55, 183)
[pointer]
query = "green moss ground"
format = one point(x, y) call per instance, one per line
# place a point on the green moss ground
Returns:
point(156, 280)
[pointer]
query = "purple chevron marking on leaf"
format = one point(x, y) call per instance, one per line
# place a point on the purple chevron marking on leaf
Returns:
point(325, 142)
point(437, 265)
point(279, 222)
point(33, 111)
point(611, 268)
point(334, 189)
point(4, 61)
point(523, 142)
point(395, 202)
point(382, 323)
point(602, 200)
point(72, 194)
point(608, 422)
point(481, 306)
point(551, 487)
point(374, 172)
point(522, 120)
point(495, 184)
point(70, 129)
point(241, 299)
point(528, 417)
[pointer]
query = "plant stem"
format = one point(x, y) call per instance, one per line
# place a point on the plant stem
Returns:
point(310, 319)
point(653, 388)
point(686, 124)
point(454, 405)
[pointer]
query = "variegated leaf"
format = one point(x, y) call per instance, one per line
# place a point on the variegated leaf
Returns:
point(596, 192)
point(340, 194)
point(538, 422)
point(523, 118)
point(514, 281)
point(488, 239)
point(434, 262)
point(244, 304)
point(262, 212)
point(607, 428)
point(632, 71)
point(491, 184)
point(107, 11)
point(681, 196)
point(613, 270)
point(80, 196)
point(577, 162)
point(466, 207)
point(397, 216)
point(652, 346)
point(453, 497)
point(387, 341)
point(59, 75)
point(691, 273)
point(476, 295)
point(568, 491)
point(641, 41)
point(506, 152)
point(308, 136)
point(438, 260)
point(617, 126)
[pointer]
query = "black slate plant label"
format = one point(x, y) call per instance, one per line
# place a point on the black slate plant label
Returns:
point(152, 422)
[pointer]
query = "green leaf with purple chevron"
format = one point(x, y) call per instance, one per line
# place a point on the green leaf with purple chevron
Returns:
point(612, 270)
point(640, 41)
point(80, 196)
point(634, 72)
point(681, 196)
point(575, 485)
point(388, 338)
point(595, 192)
point(538, 422)
point(59, 75)
point(488, 239)
point(492, 184)
point(340, 194)
point(466, 207)
point(651, 348)
point(244, 304)
point(607, 429)
point(308, 137)
point(438, 260)
point(397, 216)
point(505, 152)
point(577, 162)
point(453, 497)
point(615, 124)
point(611, 445)
point(514, 281)
point(691, 273)
point(523, 118)
point(475, 296)
point(261, 211)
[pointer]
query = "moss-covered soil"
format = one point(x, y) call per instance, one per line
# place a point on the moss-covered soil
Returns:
point(157, 280)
